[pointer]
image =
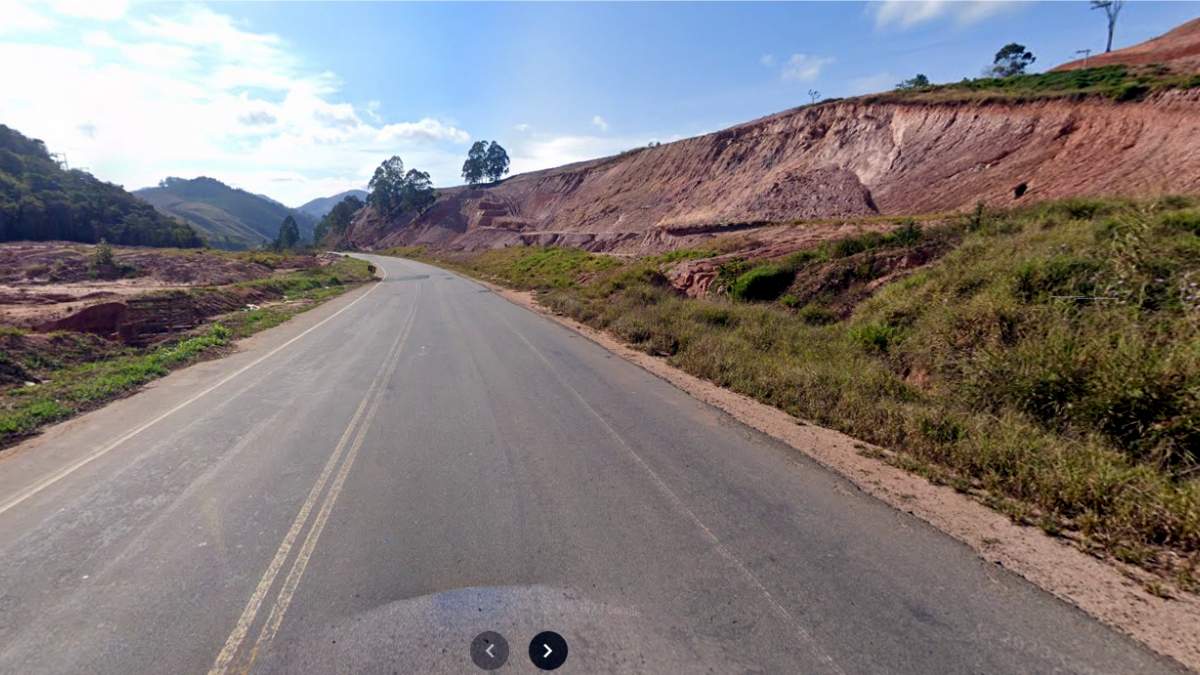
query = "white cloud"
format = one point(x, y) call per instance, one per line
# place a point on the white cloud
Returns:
point(373, 108)
point(869, 84)
point(767, 60)
point(428, 129)
point(905, 14)
point(600, 123)
point(100, 38)
point(103, 10)
point(180, 90)
point(804, 67)
point(522, 128)
point(20, 18)
point(543, 152)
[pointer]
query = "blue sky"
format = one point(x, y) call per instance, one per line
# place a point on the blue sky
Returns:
point(299, 100)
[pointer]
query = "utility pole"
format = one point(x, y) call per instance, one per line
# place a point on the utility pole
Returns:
point(1086, 53)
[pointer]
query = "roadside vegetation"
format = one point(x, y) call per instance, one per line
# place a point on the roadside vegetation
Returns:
point(48, 377)
point(1045, 360)
point(1118, 83)
point(42, 200)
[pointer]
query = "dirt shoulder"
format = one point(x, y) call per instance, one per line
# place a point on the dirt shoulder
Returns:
point(1112, 592)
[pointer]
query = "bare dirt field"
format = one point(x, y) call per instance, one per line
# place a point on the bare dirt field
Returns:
point(46, 286)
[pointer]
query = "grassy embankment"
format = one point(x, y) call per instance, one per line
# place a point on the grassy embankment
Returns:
point(1047, 360)
point(1118, 83)
point(76, 372)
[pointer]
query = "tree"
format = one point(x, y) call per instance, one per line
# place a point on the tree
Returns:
point(386, 186)
point(1012, 59)
point(289, 234)
point(418, 192)
point(338, 219)
point(496, 162)
point(485, 159)
point(814, 95)
point(392, 191)
point(474, 168)
point(39, 200)
point(918, 82)
point(1111, 9)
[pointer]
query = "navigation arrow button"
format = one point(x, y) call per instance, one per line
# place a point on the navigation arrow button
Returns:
point(548, 650)
point(489, 650)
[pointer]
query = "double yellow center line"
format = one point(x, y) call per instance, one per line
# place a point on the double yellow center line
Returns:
point(340, 461)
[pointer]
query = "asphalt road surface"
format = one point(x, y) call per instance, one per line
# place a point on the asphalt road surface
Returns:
point(368, 487)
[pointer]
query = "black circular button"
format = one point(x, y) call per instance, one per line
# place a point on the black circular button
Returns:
point(489, 650)
point(548, 650)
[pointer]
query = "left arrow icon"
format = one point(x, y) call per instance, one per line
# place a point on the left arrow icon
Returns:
point(489, 650)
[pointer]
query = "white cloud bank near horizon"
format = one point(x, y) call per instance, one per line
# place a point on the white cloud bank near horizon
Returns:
point(187, 91)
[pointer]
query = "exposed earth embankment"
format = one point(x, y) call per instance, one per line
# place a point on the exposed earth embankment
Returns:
point(851, 159)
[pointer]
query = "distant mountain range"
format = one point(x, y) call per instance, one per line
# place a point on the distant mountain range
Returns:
point(321, 206)
point(40, 200)
point(225, 216)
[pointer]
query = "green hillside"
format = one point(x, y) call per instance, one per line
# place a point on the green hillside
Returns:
point(226, 217)
point(39, 201)
point(321, 206)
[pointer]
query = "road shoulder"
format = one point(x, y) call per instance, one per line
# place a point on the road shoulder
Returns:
point(1112, 593)
point(53, 449)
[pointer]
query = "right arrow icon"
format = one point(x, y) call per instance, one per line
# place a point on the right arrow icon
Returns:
point(548, 650)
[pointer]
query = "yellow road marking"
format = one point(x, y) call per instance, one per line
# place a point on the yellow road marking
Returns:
point(283, 601)
point(72, 468)
point(359, 422)
point(251, 610)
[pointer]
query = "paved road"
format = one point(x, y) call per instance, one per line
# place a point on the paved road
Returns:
point(368, 487)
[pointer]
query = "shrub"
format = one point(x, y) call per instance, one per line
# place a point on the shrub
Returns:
point(908, 234)
point(844, 248)
point(1187, 221)
point(1060, 276)
point(714, 316)
point(799, 259)
point(1081, 208)
point(1132, 91)
point(874, 337)
point(816, 315)
point(765, 282)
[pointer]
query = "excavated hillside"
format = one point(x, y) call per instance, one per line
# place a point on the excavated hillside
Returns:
point(842, 159)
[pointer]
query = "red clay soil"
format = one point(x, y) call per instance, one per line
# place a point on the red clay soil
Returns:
point(847, 158)
point(65, 262)
point(1178, 50)
point(50, 286)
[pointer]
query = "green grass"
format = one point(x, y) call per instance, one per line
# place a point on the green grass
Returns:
point(1049, 362)
point(1119, 83)
point(82, 372)
point(82, 387)
point(530, 268)
point(763, 282)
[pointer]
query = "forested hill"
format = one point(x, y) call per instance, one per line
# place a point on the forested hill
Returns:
point(39, 201)
point(225, 216)
point(321, 206)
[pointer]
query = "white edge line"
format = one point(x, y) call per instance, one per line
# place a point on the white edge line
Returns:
point(64, 472)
